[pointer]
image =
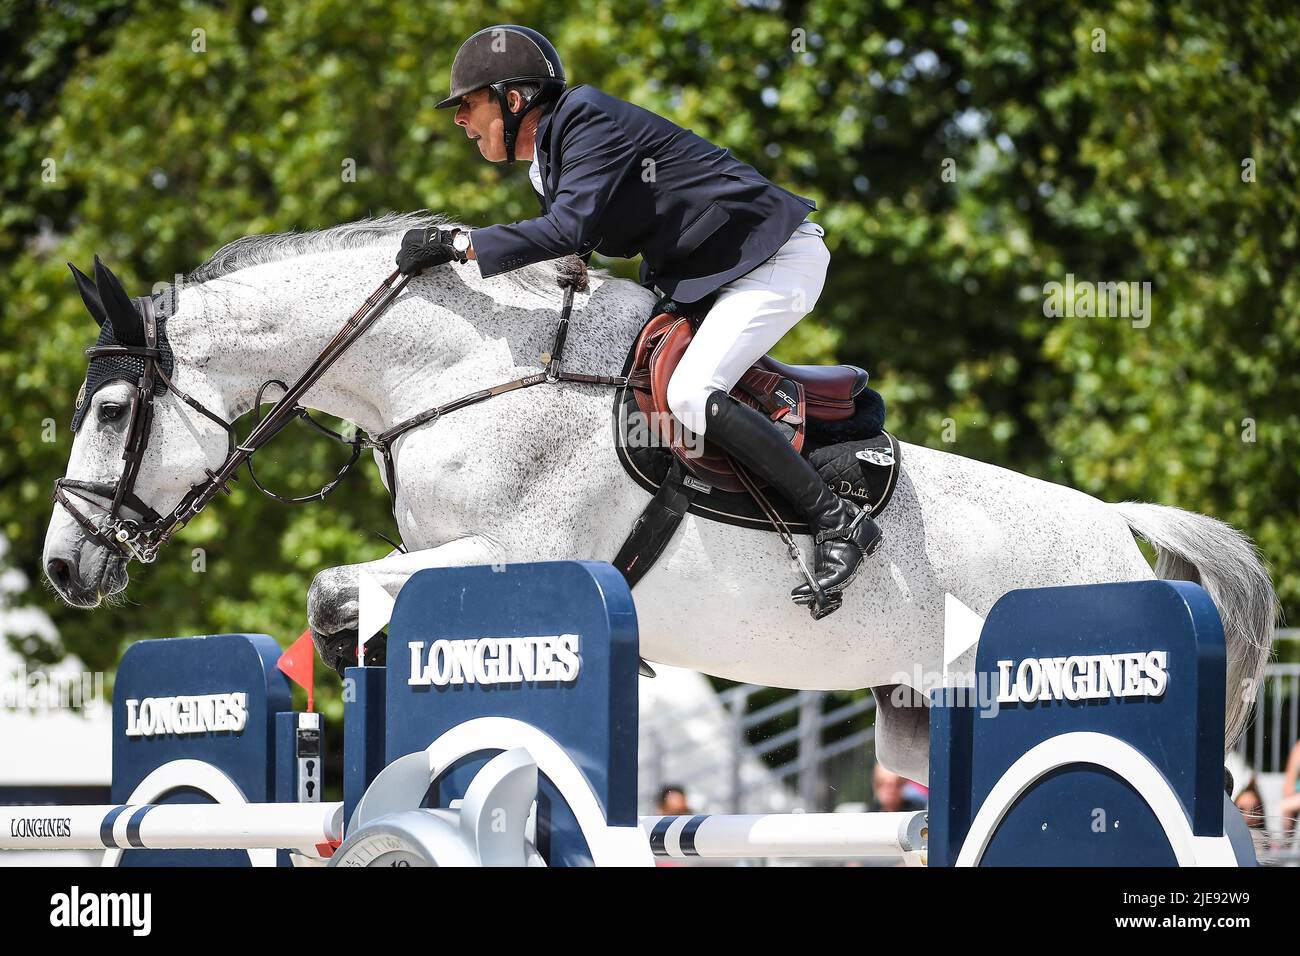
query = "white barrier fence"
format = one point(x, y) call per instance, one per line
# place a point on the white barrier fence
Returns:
point(843, 836)
point(306, 827)
point(173, 826)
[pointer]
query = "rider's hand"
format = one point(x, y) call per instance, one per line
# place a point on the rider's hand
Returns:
point(425, 248)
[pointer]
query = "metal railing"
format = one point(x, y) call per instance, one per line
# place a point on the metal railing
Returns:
point(791, 743)
point(1275, 724)
point(1266, 746)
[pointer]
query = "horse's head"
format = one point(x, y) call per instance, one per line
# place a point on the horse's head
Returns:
point(137, 448)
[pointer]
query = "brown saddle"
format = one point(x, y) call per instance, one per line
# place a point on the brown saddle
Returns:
point(788, 394)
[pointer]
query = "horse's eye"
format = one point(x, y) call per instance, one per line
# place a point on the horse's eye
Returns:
point(110, 411)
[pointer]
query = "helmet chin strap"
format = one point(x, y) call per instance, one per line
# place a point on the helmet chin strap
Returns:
point(510, 121)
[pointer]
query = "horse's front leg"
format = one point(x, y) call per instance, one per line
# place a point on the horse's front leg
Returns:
point(334, 606)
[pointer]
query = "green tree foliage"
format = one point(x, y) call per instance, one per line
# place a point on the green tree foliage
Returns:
point(963, 156)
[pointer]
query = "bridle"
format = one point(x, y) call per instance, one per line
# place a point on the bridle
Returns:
point(141, 537)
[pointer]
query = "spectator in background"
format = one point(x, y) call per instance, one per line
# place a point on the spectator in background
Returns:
point(672, 802)
point(890, 793)
point(1251, 804)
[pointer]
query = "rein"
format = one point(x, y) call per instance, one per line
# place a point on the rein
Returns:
point(141, 538)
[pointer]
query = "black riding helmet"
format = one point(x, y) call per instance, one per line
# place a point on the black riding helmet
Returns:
point(497, 56)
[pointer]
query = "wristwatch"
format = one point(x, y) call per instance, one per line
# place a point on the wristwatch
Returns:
point(460, 242)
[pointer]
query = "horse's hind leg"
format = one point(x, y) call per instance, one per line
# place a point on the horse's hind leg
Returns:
point(903, 731)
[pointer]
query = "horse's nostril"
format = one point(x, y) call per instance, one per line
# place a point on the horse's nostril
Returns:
point(60, 573)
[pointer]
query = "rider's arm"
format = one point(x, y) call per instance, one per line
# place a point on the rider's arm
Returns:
point(595, 156)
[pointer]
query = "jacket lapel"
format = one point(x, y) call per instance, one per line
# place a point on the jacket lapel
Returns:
point(541, 145)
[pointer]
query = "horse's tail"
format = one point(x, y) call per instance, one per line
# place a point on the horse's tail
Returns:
point(1195, 547)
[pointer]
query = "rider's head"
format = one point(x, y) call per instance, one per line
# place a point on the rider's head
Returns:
point(499, 75)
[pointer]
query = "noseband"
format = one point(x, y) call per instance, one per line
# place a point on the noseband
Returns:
point(142, 536)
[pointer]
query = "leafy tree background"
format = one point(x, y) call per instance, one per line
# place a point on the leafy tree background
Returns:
point(1115, 164)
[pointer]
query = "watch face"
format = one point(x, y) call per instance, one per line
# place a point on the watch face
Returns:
point(461, 242)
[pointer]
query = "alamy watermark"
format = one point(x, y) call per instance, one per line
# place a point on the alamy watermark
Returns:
point(37, 691)
point(658, 430)
point(1102, 300)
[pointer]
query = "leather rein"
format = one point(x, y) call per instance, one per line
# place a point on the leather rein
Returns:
point(141, 537)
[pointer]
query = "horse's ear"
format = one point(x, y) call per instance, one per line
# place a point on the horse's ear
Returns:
point(89, 295)
point(128, 328)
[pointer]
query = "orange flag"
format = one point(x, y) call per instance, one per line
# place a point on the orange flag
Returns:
point(298, 663)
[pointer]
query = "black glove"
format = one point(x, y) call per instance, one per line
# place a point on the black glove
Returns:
point(425, 248)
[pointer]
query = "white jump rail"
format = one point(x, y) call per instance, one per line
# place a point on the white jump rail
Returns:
point(307, 827)
point(790, 836)
point(199, 826)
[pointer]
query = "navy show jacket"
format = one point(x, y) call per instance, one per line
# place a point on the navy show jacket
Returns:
point(624, 181)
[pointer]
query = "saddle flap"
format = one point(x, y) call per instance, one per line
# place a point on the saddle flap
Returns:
point(649, 338)
point(668, 352)
point(658, 351)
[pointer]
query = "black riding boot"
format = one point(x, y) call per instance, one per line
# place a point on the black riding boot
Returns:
point(842, 531)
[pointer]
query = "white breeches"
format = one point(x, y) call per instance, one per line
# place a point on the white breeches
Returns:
point(750, 316)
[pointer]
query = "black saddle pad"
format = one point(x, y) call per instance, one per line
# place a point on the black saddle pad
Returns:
point(856, 456)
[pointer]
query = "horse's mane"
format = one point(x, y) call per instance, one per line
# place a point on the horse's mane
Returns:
point(275, 247)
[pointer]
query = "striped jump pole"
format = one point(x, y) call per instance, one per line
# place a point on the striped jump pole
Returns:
point(790, 836)
point(173, 826)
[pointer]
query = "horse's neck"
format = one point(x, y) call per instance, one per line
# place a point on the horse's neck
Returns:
point(267, 322)
point(449, 333)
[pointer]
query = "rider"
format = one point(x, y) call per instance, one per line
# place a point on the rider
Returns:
point(617, 178)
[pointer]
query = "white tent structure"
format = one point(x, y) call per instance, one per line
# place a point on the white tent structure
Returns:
point(55, 727)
